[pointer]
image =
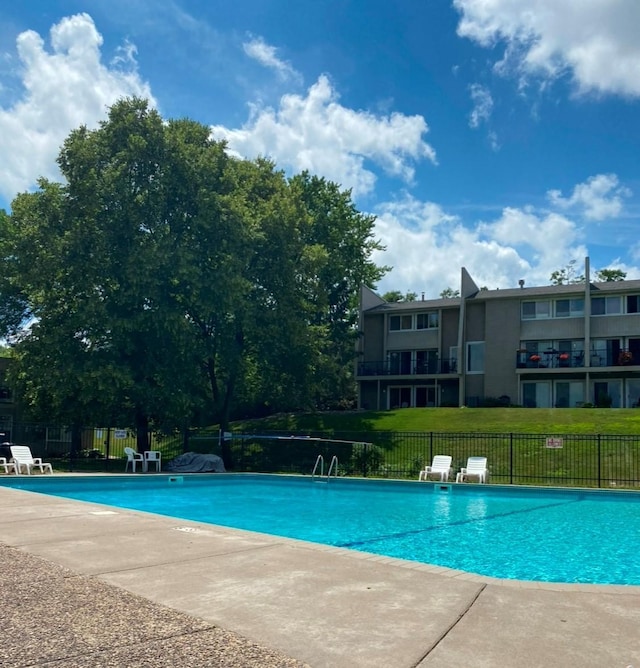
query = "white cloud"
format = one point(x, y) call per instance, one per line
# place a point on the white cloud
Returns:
point(482, 105)
point(427, 246)
point(599, 198)
point(315, 132)
point(596, 40)
point(267, 56)
point(63, 89)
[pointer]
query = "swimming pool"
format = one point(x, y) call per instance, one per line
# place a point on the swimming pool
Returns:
point(513, 533)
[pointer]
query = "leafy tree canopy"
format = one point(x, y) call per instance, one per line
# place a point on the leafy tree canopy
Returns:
point(169, 283)
point(395, 296)
point(567, 275)
point(610, 275)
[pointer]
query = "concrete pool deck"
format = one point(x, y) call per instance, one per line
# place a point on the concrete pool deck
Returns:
point(85, 585)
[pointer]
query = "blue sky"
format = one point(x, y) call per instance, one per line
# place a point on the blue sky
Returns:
point(489, 134)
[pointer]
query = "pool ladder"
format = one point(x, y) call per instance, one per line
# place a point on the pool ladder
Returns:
point(333, 469)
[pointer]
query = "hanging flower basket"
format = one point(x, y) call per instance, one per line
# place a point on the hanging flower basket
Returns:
point(534, 358)
point(564, 356)
point(625, 357)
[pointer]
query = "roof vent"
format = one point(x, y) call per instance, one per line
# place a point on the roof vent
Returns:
point(521, 282)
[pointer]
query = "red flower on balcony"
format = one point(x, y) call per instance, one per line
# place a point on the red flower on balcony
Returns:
point(564, 356)
point(534, 358)
point(625, 357)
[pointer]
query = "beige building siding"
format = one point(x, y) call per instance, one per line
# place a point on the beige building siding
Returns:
point(615, 325)
point(553, 328)
point(502, 340)
point(475, 326)
point(417, 340)
point(448, 330)
point(557, 368)
point(373, 338)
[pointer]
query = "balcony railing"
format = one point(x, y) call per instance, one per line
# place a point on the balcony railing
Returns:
point(617, 358)
point(550, 359)
point(389, 368)
point(557, 359)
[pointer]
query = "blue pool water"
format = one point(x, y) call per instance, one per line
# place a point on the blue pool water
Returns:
point(514, 533)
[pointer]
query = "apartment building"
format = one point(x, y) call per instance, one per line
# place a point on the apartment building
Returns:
point(550, 346)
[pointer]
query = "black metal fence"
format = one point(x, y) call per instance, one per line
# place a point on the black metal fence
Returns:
point(572, 460)
point(582, 460)
point(97, 449)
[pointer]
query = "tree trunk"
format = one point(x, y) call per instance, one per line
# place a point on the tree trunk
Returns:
point(142, 432)
point(76, 439)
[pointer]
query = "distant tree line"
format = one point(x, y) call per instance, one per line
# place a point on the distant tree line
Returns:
point(166, 284)
point(569, 275)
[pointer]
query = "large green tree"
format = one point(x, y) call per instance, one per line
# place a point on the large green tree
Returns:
point(162, 267)
point(90, 255)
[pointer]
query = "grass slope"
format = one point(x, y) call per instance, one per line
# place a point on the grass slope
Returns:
point(460, 420)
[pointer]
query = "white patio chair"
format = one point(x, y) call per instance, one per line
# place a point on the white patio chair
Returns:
point(22, 458)
point(152, 457)
point(440, 466)
point(133, 458)
point(476, 468)
point(8, 466)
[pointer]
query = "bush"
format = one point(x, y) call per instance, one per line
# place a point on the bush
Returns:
point(365, 458)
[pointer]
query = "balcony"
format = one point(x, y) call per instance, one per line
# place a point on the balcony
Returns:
point(610, 358)
point(388, 368)
point(550, 359)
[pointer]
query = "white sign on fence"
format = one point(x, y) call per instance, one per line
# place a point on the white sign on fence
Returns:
point(553, 443)
point(120, 433)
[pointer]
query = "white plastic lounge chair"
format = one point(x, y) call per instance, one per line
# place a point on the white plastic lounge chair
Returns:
point(22, 458)
point(133, 458)
point(8, 466)
point(440, 466)
point(476, 468)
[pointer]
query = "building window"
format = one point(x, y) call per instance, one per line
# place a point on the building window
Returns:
point(569, 308)
point(427, 320)
point(425, 397)
point(426, 361)
point(606, 306)
point(475, 357)
point(607, 394)
point(633, 304)
point(400, 362)
point(400, 322)
point(569, 394)
point(605, 352)
point(399, 397)
point(536, 395)
point(536, 310)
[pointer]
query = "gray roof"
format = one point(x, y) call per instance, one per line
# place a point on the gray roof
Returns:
point(535, 292)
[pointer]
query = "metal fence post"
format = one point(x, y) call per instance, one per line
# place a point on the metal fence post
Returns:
point(599, 462)
point(107, 451)
point(511, 458)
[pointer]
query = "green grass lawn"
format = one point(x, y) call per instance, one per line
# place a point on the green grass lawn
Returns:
point(599, 446)
point(460, 420)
